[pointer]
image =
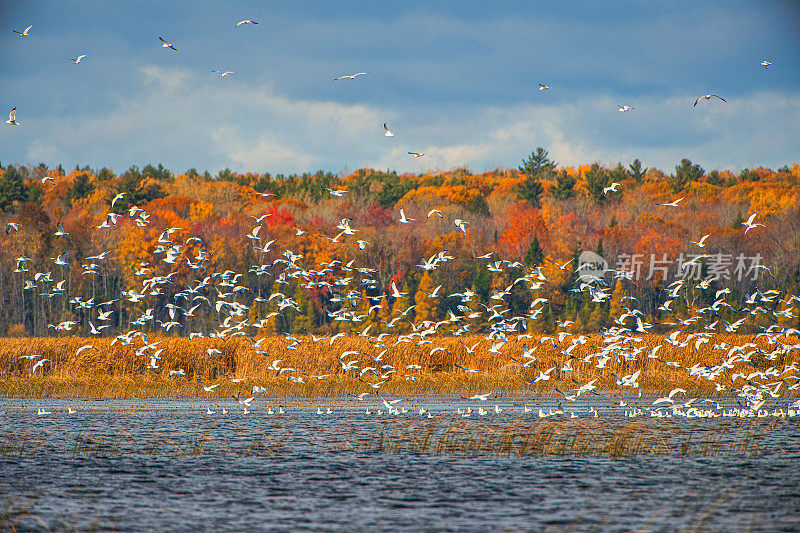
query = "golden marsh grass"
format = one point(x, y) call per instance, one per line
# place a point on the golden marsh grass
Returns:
point(116, 372)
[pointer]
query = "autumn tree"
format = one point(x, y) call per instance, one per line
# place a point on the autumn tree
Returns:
point(426, 307)
point(685, 173)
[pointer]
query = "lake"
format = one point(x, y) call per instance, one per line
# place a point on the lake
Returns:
point(161, 465)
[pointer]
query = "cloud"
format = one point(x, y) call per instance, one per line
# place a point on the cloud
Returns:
point(184, 119)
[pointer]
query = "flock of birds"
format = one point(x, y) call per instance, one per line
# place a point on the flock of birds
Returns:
point(227, 295)
point(222, 294)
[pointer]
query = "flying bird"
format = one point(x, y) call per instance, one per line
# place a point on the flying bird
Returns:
point(672, 204)
point(388, 132)
point(766, 64)
point(165, 44)
point(12, 118)
point(246, 21)
point(25, 32)
point(708, 97)
point(623, 108)
point(223, 74)
point(415, 154)
point(611, 188)
point(749, 223)
point(350, 76)
point(543, 87)
point(77, 60)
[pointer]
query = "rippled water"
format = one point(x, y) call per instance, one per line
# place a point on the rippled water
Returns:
point(171, 466)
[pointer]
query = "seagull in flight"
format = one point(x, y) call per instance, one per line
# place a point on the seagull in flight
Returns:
point(623, 108)
point(388, 132)
point(611, 188)
point(25, 32)
point(702, 242)
point(766, 64)
point(708, 97)
point(350, 76)
point(12, 118)
point(543, 87)
point(672, 204)
point(415, 154)
point(246, 21)
point(165, 44)
point(223, 74)
point(749, 223)
point(77, 60)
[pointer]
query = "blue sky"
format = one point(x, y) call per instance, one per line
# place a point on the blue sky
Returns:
point(455, 80)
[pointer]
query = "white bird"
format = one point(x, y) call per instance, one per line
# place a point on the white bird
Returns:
point(403, 219)
point(395, 292)
point(362, 244)
point(350, 76)
point(749, 223)
point(708, 97)
point(246, 21)
point(77, 60)
point(60, 231)
point(624, 108)
point(223, 74)
point(39, 363)
point(543, 87)
point(85, 347)
point(387, 133)
point(766, 64)
point(672, 204)
point(25, 32)
point(165, 44)
point(209, 388)
point(117, 197)
point(611, 188)
point(702, 242)
point(12, 117)
point(436, 212)
point(482, 397)
point(415, 154)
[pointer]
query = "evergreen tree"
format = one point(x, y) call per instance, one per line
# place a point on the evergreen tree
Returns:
point(535, 168)
point(597, 178)
point(81, 188)
point(685, 173)
point(12, 188)
point(564, 187)
point(636, 171)
point(534, 256)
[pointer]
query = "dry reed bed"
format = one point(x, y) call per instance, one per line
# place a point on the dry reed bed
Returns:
point(562, 437)
point(115, 371)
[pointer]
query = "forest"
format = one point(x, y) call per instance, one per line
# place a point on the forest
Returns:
point(99, 252)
